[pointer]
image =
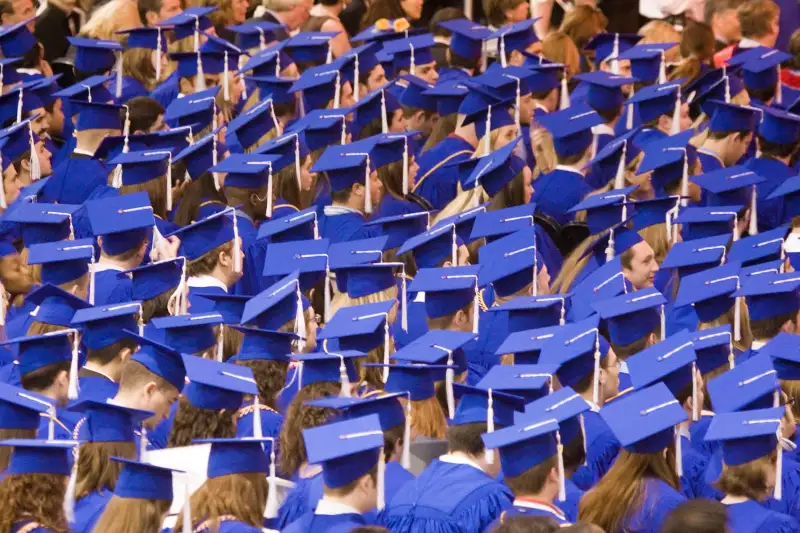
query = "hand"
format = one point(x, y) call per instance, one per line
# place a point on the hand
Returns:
point(167, 248)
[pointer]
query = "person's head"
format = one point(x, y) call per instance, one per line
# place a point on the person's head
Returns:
point(154, 11)
point(300, 416)
point(460, 320)
point(501, 12)
point(466, 439)
point(15, 11)
point(731, 145)
point(95, 469)
point(139, 388)
point(768, 328)
point(140, 64)
point(243, 496)
point(15, 274)
point(526, 524)
point(360, 493)
point(293, 13)
point(722, 17)
point(229, 12)
point(697, 516)
point(639, 265)
point(540, 481)
point(582, 23)
point(51, 380)
point(116, 353)
point(192, 423)
point(391, 10)
point(219, 263)
point(697, 42)
point(607, 379)
point(758, 20)
point(355, 195)
point(754, 479)
point(558, 47)
point(518, 191)
point(132, 515)
point(12, 183)
point(35, 497)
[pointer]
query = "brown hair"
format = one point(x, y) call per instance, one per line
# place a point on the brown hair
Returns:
point(748, 479)
point(391, 176)
point(385, 9)
point(299, 417)
point(137, 63)
point(96, 470)
point(143, 112)
point(427, 418)
point(135, 375)
point(132, 515)
point(619, 493)
point(697, 47)
point(443, 322)
point(767, 328)
point(495, 10)
point(270, 377)
point(5, 451)
point(41, 378)
point(285, 186)
point(697, 516)
point(344, 490)
point(756, 17)
point(525, 524)
point(560, 48)
point(193, 423)
point(156, 190)
point(35, 497)
point(200, 191)
point(511, 195)
point(107, 354)
point(466, 438)
point(794, 49)
point(718, 6)
point(582, 23)
point(242, 496)
point(156, 307)
point(790, 386)
point(206, 263)
point(533, 480)
point(443, 127)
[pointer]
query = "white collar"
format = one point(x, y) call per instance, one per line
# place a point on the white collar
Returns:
point(101, 267)
point(757, 344)
point(204, 280)
point(109, 378)
point(567, 168)
point(333, 210)
point(748, 43)
point(684, 432)
point(603, 128)
point(327, 507)
point(459, 460)
point(542, 107)
point(541, 506)
point(711, 153)
point(623, 367)
point(82, 152)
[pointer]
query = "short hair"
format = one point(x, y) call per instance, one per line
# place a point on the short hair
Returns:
point(769, 148)
point(280, 5)
point(43, 377)
point(715, 7)
point(206, 263)
point(697, 516)
point(495, 10)
point(532, 481)
point(757, 16)
point(134, 375)
point(466, 438)
point(767, 328)
point(747, 479)
point(344, 490)
point(442, 15)
point(143, 111)
point(107, 354)
point(525, 524)
point(147, 6)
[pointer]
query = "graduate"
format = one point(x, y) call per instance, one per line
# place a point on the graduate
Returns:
point(672, 160)
point(730, 133)
point(659, 111)
point(143, 61)
point(20, 413)
point(773, 307)
point(644, 422)
point(458, 491)
point(160, 286)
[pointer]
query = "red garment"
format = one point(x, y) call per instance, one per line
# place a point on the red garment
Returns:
point(790, 78)
point(723, 55)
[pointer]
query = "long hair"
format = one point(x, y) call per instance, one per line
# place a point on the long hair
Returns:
point(299, 417)
point(132, 515)
point(36, 497)
point(385, 9)
point(443, 127)
point(194, 195)
point(558, 47)
point(155, 189)
point(573, 265)
point(619, 494)
point(270, 377)
point(192, 423)
point(96, 470)
point(242, 496)
point(137, 63)
point(285, 186)
point(5, 451)
point(511, 195)
point(427, 418)
point(391, 176)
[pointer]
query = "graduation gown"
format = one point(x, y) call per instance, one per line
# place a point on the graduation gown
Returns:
point(74, 180)
point(525, 507)
point(751, 517)
point(345, 227)
point(709, 160)
point(602, 448)
point(89, 509)
point(447, 497)
point(198, 304)
point(770, 212)
point(697, 431)
point(111, 288)
point(570, 505)
point(694, 466)
point(131, 88)
point(393, 206)
point(167, 91)
point(271, 421)
point(94, 386)
point(437, 177)
point(29, 526)
point(492, 331)
point(64, 426)
point(321, 523)
point(558, 191)
point(659, 500)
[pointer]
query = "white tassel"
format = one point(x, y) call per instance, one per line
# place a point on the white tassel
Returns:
point(619, 179)
point(196, 34)
point(629, 117)
point(487, 141)
point(778, 493)
point(159, 53)
point(72, 387)
point(367, 192)
point(51, 422)
point(343, 137)
point(118, 92)
point(327, 293)
point(3, 305)
point(297, 168)
point(685, 179)
point(405, 459)
point(562, 474)
point(300, 321)
point(779, 91)
point(187, 509)
point(257, 431)
point(596, 377)
point(271, 511)
point(19, 107)
point(488, 452)
point(269, 192)
point(344, 378)
point(329, 57)
point(502, 48)
point(220, 346)
point(753, 228)
point(676, 115)
point(727, 90)
point(381, 481)
point(200, 79)
point(454, 249)
point(386, 349)
point(91, 281)
point(449, 379)
point(237, 246)
point(662, 69)
point(337, 93)
point(695, 396)
point(564, 103)
point(614, 55)
point(262, 40)
point(405, 166)
point(403, 302)
point(663, 324)
point(226, 89)
point(69, 494)
point(517, 108)
point(356, 85)
point(678, 452)
point(610, 246)
point(476, 309)
point(737, 317)
point(143, 443)
point(412, 69)
point(36, 169)
point(384, 117)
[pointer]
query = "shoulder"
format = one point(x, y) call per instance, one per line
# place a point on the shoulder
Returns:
point(779, 523)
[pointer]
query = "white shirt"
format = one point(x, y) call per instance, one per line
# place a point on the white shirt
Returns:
point(101, 267)
point(459, 460)
point(333, 210)
point(327, 507)
point(660, 9)
point(757, 345)
point(748, 43)
point(205, 280)
point(567, 168)
point(82, 152)
point(541, 506)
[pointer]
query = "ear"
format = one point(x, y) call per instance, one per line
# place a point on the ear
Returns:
point(460, 318)
point(63, 379)
point(419, 116)
point(224, 258)
point(149, 389)
point(125, 354)
point(151, 18)
point(26, 165)
point(652, 339)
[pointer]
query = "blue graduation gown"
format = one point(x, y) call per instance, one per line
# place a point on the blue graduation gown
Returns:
point(391, 206)
point(198, 304)
point(282, 208)
point(19, 319)
point(770, 212)
point(751, 517)
point(530, 508)
point(694, 466)
point(111, 288)
point(526, 146)
point(289, 390)
point(417, 318)
point(74, 180)
point(316, 523)
point(437, 177)
point(709, 160)
point(602, 448)
point(64, 425)
point(89, 509)
point(96, 388)
point(63, 153)
point(697, 431)
point(345, 227)
point(558, 191)
point(570, 505)
point(492, 331)
point(131, 88)
point(167, 91)
point(659, 500)
point(271, 421)
point(447, 497)
point(25, 524)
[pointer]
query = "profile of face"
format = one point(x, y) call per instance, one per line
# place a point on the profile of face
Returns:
point(56, 119)
point(45, 159)
point(504, 135)
point(239, 11)
point(462, 256)
point(375, 189)
point(397, 124)
point(376, 78)
point(413, 168)
point(643, 266)
point(527, 184)
point(11, 184)
point(40, 124)
point(427, 72)
point(412, 8)
point(306, 176)
point(728, 26)
point(169, 8)
point(158, 401)
point(609, 376)
point(15, 275)
point(543, 280)
point(624, 67)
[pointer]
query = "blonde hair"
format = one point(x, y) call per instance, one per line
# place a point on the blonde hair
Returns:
point(137, 63)
point(110, 18)
point(241, 496)
point(132, 515)
point(559, 48)
point(427, 418)
point(659, 31)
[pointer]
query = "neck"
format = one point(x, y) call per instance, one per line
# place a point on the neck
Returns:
point(468, 134)
point(219, 274)
point(113, 370)
point(124, 265)
point(575, 166)
point(351, 203)
point(477, 460)
point(731, 499)
point(350, 500)
point(684, 426)
point(717, 147)
point(587, 395)
point(546, 495)
point(87, 142)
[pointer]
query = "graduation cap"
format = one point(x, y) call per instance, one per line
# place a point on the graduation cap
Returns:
point(161, 360)
point(230, 306)
point(273, 88)
point(648, 64)
point(17, 101)
point(468, 37)
point(17, 39)
point(8, 71)
point(149, 38)
point(714, 348)
point(730, 186)
point(311, 46)
point(410, 52)
point(105, 325)
point(208, 61)
point(752, 384)
point(297, 227)
point(526, 345)
point(192, 333)
point(95, 116)
point(702, 222)
point(309, 258)
point(763, 247)
point(198, 110)
point(123, 222)
point(494, 171)
point(449, 95)
point(611, 160)
point(238, 456)
point(98, 55)
point(448, 290)
point(769, 295)
point(604, 282)
point(398, 229)
point(495, 224)
point(731, 117)
point(632, 316)
point(616, 240)
point(360, 327)
point(670, 159)
point(761, 69)
point(529, 382)
point(276, 305)
point(571, 128)
point(379, 103)
point(215, 385)
point(320, 85)
point(356, 253)
point(345, 166)
point(249, 171)
point(512, 263)
point(778, 126)
point(55, 306)
point(416, 94)
point(430, 247)
point(33, 456)
point(644, 420)
point(62, 261)
point(606, 209)
point(255, 33)
point(789, 191)
point(523, 447)
point(201, 156)
point(334, 367)
point(15, 141)
point(609, 46)
point(91, 89)
point(516, 36)
point(21, 409)
point(108, 421)
point(564, 405)
point(207, 234)
point(710, 292)
point(251, 125)
point(38, 351)
point(604, 89)
point(156, 278)
point(143, 481)
point(268, 62)
point(264, 345)
point(697, 255)
point(190, 22)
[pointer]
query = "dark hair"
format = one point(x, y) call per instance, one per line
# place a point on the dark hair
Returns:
point(533, 480)
point(574, 453)
point(198, 192)
point(192, 423)
point(442, 15)
point(300, 416)
point(525, 524)
point(144, 112)
point(270, 377)
point(342, 195)
point(107, 354)
point(767, 328)
point(466, 438)
point(771, 149)
point(146, 6)
point(43, 377)
point(764, 94)
point(697, 40)
point(697, 516)
point(384, 9)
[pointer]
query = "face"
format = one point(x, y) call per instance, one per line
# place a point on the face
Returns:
point(686, 120)
point(398, 122)
point(413, 168)
point(527, 181)
point(609, 375)
point(643, 266)
point(519, 13)
point(11, 184)
point(159, 402)
point(412, 8)
point(505, 135)
point(427, 72)
point(312, 324)
point(23, 10)
point(299, 14)
point(45, 163)
point(306, 176)
point(624, 67)
point(526, 109)
point(158, 125)
point(376, 78)
point(15, 275)
point(346, 97)
point(41, 124)
point(543, 280)
point(375, 189)
point(56, 119)
point(169, 8)
point(239, 10)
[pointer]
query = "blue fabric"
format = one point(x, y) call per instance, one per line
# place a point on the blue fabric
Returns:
point(492, 331)
point(557, 192)
point(770, 212)
point(289, 390)
point(417, 319)
point(64, 426)
point(527, 511)
point(67, 148)
point(19, 525)
point(96, 388)
point(437, 177)
point(447, 498)
point(74, 180)
point(601, 450)
point(345, 227)
point(694, 465)
point(527, 147)
point(709, 162)
point(271, 422)
point(624, 381)
point(391, 206)
point(750, 517)
point(198, 304)
point(109, 288)
point(167, 91)
point(9, 374)
point(131, 88)
point(159, 437)
point(680, 318)
point(88, 510)
point(659, 500)
point(697, 432)
point(312, 523)
point(19, 319)
point(570, 505)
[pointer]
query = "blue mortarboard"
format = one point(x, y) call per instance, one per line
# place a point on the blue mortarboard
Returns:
point(92, 88)
point(511, 263)
point(495, 224)
point(123, 222)
point(331, 367)
point(415, 379)
point(368, 278)
point(702, 222)
point(771, 295)
point(251, 125)
point(414, 50)
point(156, 278)
point(729, 186)
point(778, 126)
point(273, 88)
point(447, 289)
point(268, 62)
point(264, 345)
point(647, 60)
point(732, 117)
point(296, 227)
point(345, 165)
point(213, 385)
point(389, 410)
point(710, 292)
point(161, 360)
point(573, 351)
point(57, 307)
point(604, 89)
point(564, 405)
point(713, 347)
point(248, 171)
point(113, 145)
point(16, 139)
point(449, 95)
point(310, 46)
point(309, 258)
point(720, 91)
point(760, 70)
point(290, 147)
point(371, 106)
point(632, 316)
point(197, 110)
point(348, 254)
point(438, 347)
point(474, 406)
point(237, 456)
point(611, 45)
point(102, 326)
point(529, 382)
point(784, 349)
point(697, 255)
point(319, 85)
point(516, 36)
point(746, 436)
point(526, 345)
point(524, 446)
point(656, 100)
point(8, 71)
point(275, 305)
point(416, 94)
point(318, 128)
point(346, 450)
point(571, 128)
point(752, 384)
point(789, 191)
point(670, 362)
point(255, 33)
point(533, 312)
point(32, 456)
point(143, 481)
point(39, 351)
point(477, 100)
point(398, 229)
point(496, 170)
point(189, 333)
point(62, 261)
point(624, 238)
point(360, 60)
point(20, 95)
point(644, 420)
point(606, 209)
point(198, 158)
point(96, 116)
point(760, 269)
point(107, 421)
point(360, 327)
point(546, 76)
point(212, 62)
point(93, 55)
point(16, 39)
point(433, 246)
point(468, 36)
point(605, 282)
point(230, 306)
point(150, 38)
point(43, 88)
point(652, 212)
point(142, 166)
point(606, 164)
point(21, 409)
point(205, 235)
point(190, 21)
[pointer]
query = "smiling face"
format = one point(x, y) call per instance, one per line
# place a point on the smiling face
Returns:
point(642, 267)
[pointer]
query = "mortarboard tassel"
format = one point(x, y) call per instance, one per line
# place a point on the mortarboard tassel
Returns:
point(663, 324)
point(563, 319)
point(356, 85)
point(367, 193)
point(118, 91)
point(695, 398)
point(220, 346)
point(237, 245)
point(619, 179)
point(778, 492)
point(405, 165)
point(329, 56)
point(502, 49)
point(678, 452)
point(386, 359)
point(69, 493)
point(337, 92)
point(685, 180)
point(449, 379)
point(662, 69)
point(3, 304)
point(269, 192)
point(72, 387)
point(384, 118)
point(779, 89)
point(51, 423)
point(484, 57)
point(36, 169)
point(271, 510)
point(327, 291)
point(179, 299)
point(300, 321)
point(273, 116)
point(381, 480)
point(200, 78)
point(487, 141)
point(196, 33)
point(1, 75)
point(143, 443)
point(615, 55)
point(454, 249)
point(343, 136)
point(262, 40)
point(278, 67)
point(412, 69)
point(610, 246)
point(517, 107)
point(676, 115)
point(476, 308)
point(564, 99)
point(488, 453)
point(187, 509)
point(403, 302)
point(596, 377)
point(19, 108)
point(226, 89)
point(257, 431)
point(562, 474)
point(737, 316)
point(629, 118)
point(753, 227)
point(159, 53)
point(727, 90)
point(731, 356)
point(405, 458)
point(344, 392)
point(535, 280)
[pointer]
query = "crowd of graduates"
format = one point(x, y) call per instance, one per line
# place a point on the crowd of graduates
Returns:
point(310, 272)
